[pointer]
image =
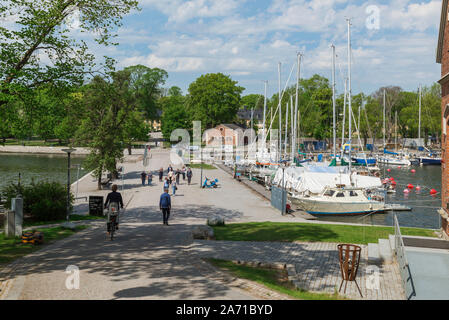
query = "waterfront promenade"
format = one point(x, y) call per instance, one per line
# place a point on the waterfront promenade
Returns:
point(150, 261)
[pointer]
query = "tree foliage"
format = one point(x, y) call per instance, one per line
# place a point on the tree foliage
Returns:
point(213, 98)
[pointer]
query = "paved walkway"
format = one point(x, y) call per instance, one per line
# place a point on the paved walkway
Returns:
point(151, 261)
point(316, 265)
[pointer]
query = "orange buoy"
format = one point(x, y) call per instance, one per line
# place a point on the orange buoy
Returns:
point(433, 191)
point(406, 191)
point(413, 171)
point(418, 188)
point(388, 170)
point(410, 186)
point(393, 183)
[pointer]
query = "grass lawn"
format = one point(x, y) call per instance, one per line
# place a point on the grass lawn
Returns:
point(204, 165)
point(12, 249)
point(73, 217)
point(307, 232)
point(275, 279)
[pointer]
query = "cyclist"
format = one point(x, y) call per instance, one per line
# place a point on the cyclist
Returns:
point(116, 197)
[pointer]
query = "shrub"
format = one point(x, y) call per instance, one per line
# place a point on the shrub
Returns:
point(44, 201)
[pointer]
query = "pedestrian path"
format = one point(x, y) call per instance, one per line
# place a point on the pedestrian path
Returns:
point(316, 265)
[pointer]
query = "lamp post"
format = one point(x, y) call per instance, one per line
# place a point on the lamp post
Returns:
point(68, 151)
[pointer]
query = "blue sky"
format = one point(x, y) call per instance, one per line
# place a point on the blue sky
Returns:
point(247, 38)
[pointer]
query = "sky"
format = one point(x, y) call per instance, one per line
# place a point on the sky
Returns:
point(393, 42)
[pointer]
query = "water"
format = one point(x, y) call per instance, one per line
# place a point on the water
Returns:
point(425, 206)
point(37, 167)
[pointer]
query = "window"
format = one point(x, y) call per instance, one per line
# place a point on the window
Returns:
point(329, 193)
point(340, 195)
point(445, 119)
point(353, 194)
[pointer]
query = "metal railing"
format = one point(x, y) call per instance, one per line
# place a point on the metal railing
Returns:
point(404, 267)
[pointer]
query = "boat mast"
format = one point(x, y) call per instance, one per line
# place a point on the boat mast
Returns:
point(333, 101)
point(286, 131)
point(384, 117)
point(294, 149)
point(396, 130)
point(292, 132)
point(280, 113)
point(419, 130)
point(264, 112)
point(349, 94)
point(344, 120)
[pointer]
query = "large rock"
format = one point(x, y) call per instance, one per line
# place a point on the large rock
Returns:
point(203, 233)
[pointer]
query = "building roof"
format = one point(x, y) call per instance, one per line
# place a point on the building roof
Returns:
point(442, 30)
point(232, 126)
point(245, 114)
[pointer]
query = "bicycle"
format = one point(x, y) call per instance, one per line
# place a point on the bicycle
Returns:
point(113, 218)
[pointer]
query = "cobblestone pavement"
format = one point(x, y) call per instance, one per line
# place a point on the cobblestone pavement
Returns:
point(316, 266)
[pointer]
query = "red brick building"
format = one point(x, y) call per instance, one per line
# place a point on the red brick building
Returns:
point(443, 59)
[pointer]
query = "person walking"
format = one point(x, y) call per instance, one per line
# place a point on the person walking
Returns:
point(166, 184)
point(174, 187)
point(170, 177)
point(161, 174)
point(178, 174)
point(150, 178)
point(183, 173)
point(189, 175)
point(170, 168)
point(143, 175)
point(165, 206)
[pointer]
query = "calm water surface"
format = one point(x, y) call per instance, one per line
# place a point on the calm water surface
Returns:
point(37, 167)
point(424, 213)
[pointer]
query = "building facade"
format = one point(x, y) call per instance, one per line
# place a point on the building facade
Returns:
point(443, 59)
point(225, 135)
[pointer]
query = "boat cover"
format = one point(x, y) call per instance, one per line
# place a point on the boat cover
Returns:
point(315, 179)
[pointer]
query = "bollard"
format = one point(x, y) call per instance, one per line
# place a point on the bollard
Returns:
point(10, 224)
point(17, 206)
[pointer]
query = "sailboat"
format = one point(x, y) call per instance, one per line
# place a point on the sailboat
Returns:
point(431, 158)
point(389, 157)
point(343, 198)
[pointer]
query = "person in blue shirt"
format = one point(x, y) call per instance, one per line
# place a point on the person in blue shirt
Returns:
point(165, 206)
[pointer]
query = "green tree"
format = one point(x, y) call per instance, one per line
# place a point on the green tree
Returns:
point(145, 85)
point(40, 33)
point(252, 101)
point(135, 129)
point(213, 98)
point(108, 106)
point(174, 115)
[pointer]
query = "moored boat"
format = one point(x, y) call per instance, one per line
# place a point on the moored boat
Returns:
point(340, 201)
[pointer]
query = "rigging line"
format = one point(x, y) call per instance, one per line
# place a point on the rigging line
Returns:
point(280, 101)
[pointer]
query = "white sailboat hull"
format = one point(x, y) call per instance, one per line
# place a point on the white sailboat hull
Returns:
point(394, 161)
point(315, 205)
